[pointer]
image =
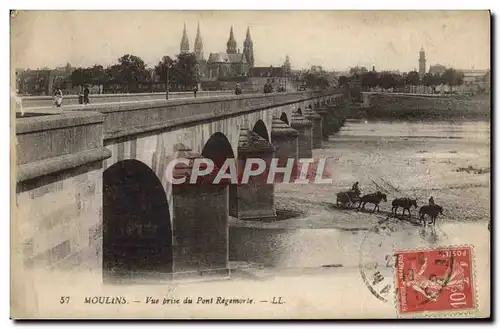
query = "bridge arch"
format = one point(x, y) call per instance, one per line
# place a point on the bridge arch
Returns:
point(260, 129)
point(284, 118)
point(137, 232)
point(218, 149)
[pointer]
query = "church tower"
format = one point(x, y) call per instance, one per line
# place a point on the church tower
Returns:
point(231, 43)
point(198, 45)
point(248, 48)
point(184, 41)
point(287, 66)
point(421, 62)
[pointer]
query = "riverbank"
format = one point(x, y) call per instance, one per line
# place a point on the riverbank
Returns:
point(417, 107)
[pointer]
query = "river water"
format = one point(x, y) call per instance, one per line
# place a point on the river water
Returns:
point(447, 160)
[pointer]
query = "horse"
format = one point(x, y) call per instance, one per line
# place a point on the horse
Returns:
point(347, 198)
point(374, 198)
point(405, 203)
point(432, 211)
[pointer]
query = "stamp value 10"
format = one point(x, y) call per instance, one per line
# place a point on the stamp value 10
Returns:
point(435, 280)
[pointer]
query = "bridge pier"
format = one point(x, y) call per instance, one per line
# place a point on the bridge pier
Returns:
point(284, 140)
point(200, 224)
point(326, 127)
point(304, 139)
point(317, 134)
point(255, 197)
point(337, 116)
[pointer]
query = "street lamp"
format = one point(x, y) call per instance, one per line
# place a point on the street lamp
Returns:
point(166, 83)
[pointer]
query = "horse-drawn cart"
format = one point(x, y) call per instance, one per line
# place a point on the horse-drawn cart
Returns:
point(348, 199)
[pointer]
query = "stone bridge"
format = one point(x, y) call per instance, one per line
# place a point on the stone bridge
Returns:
point(92, 192)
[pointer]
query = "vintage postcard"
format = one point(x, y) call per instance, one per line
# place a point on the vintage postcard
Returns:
point(250, 164)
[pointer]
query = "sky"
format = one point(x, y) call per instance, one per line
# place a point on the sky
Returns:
point(336, 40)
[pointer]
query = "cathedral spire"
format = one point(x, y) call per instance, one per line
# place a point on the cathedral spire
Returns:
point(198, 45)
point(248, 48)
point(184, 41)
point(248, 38)
point(231, 43)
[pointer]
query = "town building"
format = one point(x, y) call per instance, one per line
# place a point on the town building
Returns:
point(232, 63)
point(276, 76)
point(43, 81)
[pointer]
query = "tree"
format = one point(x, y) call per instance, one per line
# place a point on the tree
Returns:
point(323, 82)
point(81, 76)
point(343, 82)
point(164, 68)
point(98, 75)
point(131, 72)
point(399, 80)
point(370, 79)
point(452, 78)
point(391, 80)
point(357, 70)
point(186, 70)
point(429, 80)
point(113, 74)
point(316, 79)
point(413, 78)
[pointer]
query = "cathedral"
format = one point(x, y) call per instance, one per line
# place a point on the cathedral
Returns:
point(231, 63)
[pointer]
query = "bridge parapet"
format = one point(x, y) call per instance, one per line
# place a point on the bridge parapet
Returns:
point(55, 142)
point(141, 117)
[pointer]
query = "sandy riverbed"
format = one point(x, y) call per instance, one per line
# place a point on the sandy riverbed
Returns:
point(449, 161)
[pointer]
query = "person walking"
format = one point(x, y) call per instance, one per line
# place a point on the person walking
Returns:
point(195, 90)
point(58, 97)
point(86, 93)
point(237, 90)
point(80, 95)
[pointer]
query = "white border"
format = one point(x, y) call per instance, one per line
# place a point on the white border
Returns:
point(193, 4)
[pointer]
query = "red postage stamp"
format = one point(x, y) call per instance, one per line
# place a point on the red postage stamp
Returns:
point(435, 280)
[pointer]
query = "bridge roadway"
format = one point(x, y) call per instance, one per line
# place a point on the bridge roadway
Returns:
point(47, 102)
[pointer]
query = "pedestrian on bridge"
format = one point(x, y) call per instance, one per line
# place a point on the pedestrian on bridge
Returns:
point(86, 93)
point(237, 90)
point(58, 97)
point(195, 90)
point(80, 95)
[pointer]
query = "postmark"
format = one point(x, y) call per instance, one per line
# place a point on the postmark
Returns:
point(377, 262)
point(435, 280)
